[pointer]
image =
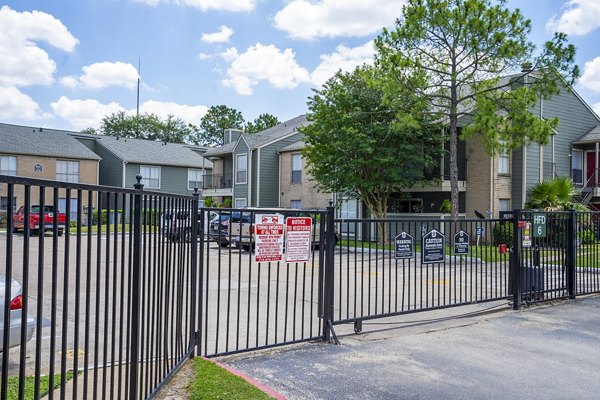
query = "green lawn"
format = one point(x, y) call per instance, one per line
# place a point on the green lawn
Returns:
point(13, 385)
point(214, 382)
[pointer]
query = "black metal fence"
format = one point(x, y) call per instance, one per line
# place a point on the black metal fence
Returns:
point(111, 299)
point(115, 291)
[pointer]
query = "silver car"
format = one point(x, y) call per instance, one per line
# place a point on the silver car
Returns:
point(16, 306)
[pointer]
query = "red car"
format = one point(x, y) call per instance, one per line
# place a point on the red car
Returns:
point(34, 219)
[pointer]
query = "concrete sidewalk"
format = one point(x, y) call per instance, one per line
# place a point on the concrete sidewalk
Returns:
point(485, 352)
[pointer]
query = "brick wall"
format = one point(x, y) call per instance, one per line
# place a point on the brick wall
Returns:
point(305, 191)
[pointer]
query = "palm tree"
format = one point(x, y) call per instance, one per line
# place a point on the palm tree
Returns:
point(554, 195)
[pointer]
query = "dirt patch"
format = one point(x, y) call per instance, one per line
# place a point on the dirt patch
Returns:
point(177, 387)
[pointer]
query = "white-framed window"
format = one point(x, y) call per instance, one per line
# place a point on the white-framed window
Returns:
point(297, 168)
point(67, 171)
point(150, 176)
point(241, 168)
point(577, 166)
point(240, 203)
point(8, 165)
point(195, 178)
point(503, 204)
point(503, 161)
point(296, 204)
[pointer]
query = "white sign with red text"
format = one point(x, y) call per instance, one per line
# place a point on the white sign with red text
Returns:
point(268, 230)
point(297, 239)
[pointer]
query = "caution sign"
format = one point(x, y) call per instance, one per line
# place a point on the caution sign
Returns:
point(461, 243)
point(433, 248)
point(404, 246)
point(297, 239)
point(268, 238)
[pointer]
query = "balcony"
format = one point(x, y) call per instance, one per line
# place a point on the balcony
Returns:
point(217, 185)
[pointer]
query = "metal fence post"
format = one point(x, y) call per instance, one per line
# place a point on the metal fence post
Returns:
point(329, 275)
point(135, 289)
point(194, 292)
point(515, 261)
point(571, 253)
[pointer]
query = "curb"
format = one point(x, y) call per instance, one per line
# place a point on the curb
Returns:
point(248, 379)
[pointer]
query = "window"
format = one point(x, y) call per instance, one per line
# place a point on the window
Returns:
point(296, 204)
point(150, 177)
point(241, 168)
point(8, 165)
point(4, 203)
point(503, 204)
point(240, 203)
point(296, 168)
point(67, 171)
point(503, 157)
point(194, 179)
point(577, 166)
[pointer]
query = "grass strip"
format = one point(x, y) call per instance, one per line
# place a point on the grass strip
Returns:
point(214, 382)
point(13, 385)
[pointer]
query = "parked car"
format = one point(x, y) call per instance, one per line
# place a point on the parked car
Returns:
point(219, 226)
point(16, 315)
point(34, 223)
point(177, 224)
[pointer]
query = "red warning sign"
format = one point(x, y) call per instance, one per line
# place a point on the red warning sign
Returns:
point(269, 238)
point(297, 238)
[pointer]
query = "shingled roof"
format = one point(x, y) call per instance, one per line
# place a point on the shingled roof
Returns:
point(26, 140)
point(140, 151)
point(591, 137)
point(256, 140)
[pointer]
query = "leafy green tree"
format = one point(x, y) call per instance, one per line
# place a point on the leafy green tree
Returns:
point(457, 55)
point(214, 123)
point(262, 122)
point(359, 146)
point(145, 126)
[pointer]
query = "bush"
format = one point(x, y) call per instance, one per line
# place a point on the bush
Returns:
point(587, 236)
point(103, 216)
point(3, 219)
point(503, 233)
point(209, 202)
point(227, 202)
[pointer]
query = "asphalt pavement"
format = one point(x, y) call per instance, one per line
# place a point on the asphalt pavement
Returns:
point(485, 351)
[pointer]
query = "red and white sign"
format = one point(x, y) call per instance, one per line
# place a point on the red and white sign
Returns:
point(269, 238)
point(297, 239)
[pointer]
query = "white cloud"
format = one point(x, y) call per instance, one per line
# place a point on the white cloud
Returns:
point(221, 5)
point(310, 19)
point(192, 114)
point(17, 105)
point(579, 17)
point(221, 36)
point(267, 63)
point(104, 74)
point(87, 113)
point(344, 58)
point(204, 56)
point(23, 62)
point(590, 79)
point(83, 114)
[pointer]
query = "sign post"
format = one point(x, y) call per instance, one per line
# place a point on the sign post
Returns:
point(433, 247)
point(405, 245)
point(297, 239)
point(461, 243)
point(269, 237)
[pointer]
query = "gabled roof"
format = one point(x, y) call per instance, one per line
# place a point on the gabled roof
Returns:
point(150, 152)
point(299, 145)
point(262, 138)
point(592, 136)
point(27, 140)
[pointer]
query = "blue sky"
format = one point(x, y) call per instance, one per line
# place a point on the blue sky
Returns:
point(67, 63)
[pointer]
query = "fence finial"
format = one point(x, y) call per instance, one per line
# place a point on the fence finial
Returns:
point(138, 185)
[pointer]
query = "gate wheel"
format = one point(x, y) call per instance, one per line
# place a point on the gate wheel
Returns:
point(357, 327)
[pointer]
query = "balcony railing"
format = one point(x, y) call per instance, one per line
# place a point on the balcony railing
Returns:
point(216, 182)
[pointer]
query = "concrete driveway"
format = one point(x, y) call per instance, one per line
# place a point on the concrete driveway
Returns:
point(480, 352)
